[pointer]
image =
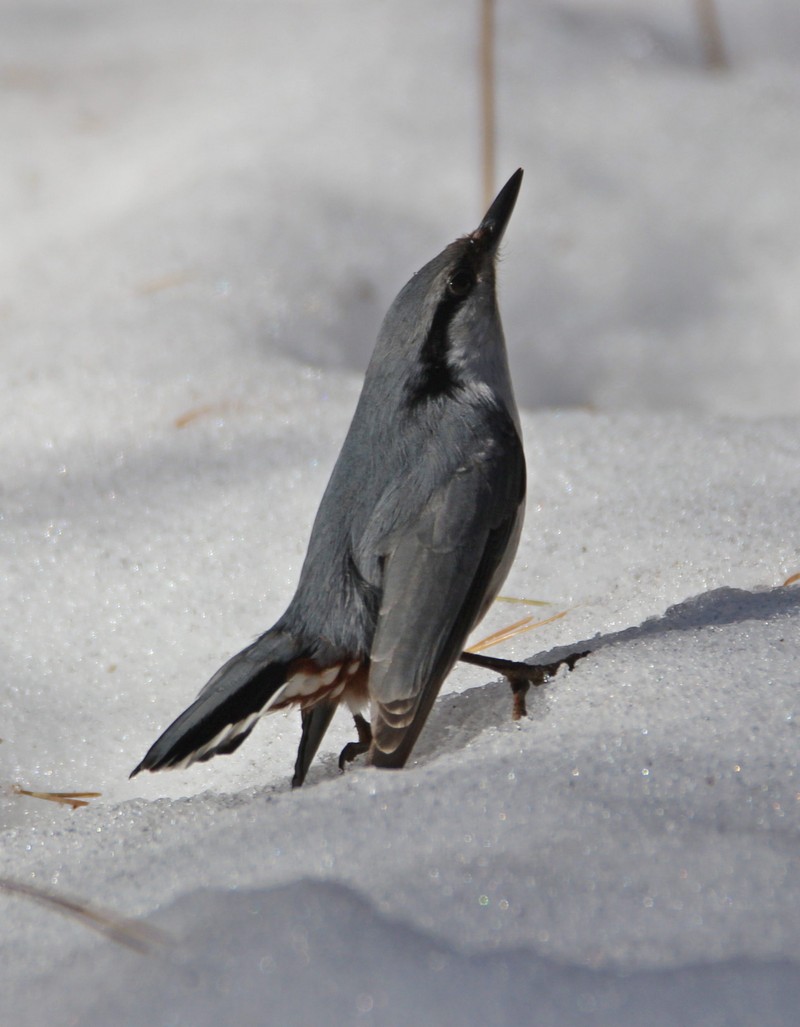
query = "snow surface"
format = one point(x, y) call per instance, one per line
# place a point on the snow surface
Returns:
point(207, 208)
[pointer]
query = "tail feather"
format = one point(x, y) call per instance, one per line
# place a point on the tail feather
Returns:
point(226, 710)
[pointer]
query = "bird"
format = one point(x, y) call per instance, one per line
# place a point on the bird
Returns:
point(413, 538)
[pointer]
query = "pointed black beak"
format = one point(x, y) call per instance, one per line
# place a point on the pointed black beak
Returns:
point(491, 229)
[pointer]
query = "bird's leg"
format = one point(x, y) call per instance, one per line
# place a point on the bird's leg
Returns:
point(353, 749)
point(315, 723)
point(522, 675)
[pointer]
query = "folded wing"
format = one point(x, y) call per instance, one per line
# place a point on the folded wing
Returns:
point(442, 569)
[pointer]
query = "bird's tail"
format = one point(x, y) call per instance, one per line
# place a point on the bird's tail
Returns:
point(226, 710)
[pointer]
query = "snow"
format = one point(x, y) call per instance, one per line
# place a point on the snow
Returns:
point(207, 208)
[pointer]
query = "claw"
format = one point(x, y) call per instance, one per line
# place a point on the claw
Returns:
point(522, 675)
point(353, 749)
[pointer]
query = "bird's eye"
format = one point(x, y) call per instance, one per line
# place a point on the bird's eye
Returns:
point(460, 283)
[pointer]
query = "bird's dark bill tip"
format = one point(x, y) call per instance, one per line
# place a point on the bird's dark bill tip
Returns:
point(514, 182)
point(499, 214)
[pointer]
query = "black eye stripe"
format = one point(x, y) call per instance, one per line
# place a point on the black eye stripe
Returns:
point(436, 376)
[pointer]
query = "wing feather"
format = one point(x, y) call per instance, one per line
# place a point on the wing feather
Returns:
point(441, 572)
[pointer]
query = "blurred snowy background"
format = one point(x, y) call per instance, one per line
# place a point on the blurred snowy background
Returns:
point(207, 208)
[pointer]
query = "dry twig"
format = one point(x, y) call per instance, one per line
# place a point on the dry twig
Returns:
point(711, 34)
point(135, 934)
point(486, 60)
point(73, 799)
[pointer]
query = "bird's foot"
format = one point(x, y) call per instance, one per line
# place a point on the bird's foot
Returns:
point(353, 749)
point(522, 675)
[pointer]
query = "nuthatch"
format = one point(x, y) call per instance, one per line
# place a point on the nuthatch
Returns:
point(415, 534)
